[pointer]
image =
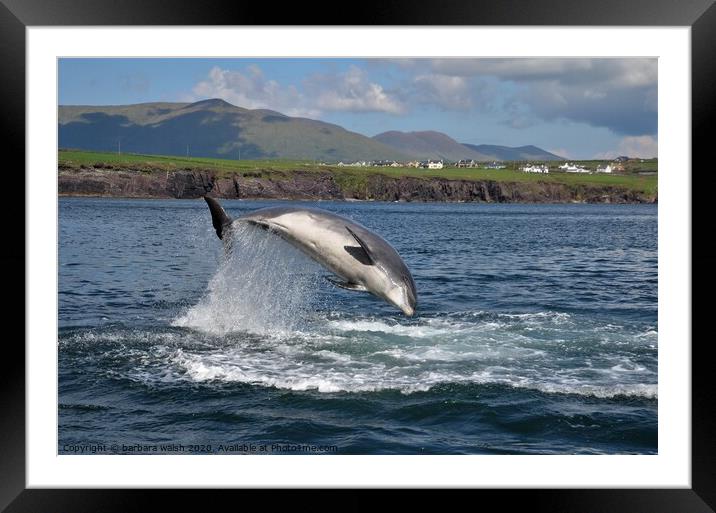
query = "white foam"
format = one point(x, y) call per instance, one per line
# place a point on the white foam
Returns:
point(628, 367)
point(338, 354)
point(423, 328)
point(263, 286)
point(375, 326)
point(646, 391)
point(122, 336)
point(528, 318)
point(418, 369)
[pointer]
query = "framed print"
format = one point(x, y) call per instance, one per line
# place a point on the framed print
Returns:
point(434, 250)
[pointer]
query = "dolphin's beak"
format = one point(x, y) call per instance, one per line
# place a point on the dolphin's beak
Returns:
point(408, 310)
point(398, 298)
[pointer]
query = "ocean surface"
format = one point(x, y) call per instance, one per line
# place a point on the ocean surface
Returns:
point(536, 333)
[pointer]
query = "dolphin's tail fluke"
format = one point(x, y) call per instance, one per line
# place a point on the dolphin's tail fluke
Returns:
point(219, 219)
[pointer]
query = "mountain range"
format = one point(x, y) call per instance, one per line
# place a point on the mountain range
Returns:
point(428, 145)
point(215, 128)
point(436, 145)
point(493, 152)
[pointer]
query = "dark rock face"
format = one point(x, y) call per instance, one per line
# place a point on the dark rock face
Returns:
point(294, 185)
point(439, 189)
point(436, 189)
point(188, 184)
point(133, 184)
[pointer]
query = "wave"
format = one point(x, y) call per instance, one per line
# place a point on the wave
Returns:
point(447, 324)
point(302, 377)
point(638, 390)
point(329, 352)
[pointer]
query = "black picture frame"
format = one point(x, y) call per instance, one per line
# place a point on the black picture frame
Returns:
point(700, 15)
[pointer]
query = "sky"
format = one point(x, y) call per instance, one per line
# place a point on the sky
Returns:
point(575, 107)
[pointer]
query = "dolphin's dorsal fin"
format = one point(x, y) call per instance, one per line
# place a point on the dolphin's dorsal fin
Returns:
point(347, 285)
point(219, 219)
point(368, 260)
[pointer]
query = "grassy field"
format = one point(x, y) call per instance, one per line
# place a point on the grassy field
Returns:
point(354, 177)
point(90, 158)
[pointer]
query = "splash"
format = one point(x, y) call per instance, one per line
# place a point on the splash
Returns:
point(263, 286)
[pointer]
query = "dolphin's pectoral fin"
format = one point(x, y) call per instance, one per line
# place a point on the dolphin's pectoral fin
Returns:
point(359, 254)
point(365, 257)
point(346, 285)
point(259, 224)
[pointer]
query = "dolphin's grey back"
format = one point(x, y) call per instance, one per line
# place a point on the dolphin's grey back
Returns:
point(378, 248)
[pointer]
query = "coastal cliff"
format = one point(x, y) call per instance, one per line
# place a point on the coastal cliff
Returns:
point(109, 180)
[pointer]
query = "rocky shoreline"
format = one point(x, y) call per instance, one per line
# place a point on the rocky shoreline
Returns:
point(112, 181)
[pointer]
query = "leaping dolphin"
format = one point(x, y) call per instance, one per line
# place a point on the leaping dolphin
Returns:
point(362, 259)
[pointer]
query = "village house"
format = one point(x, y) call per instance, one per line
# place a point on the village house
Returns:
point(432, 164)
point(352, 164)
point(530, 168)
point(571, 168)
point(385, 163)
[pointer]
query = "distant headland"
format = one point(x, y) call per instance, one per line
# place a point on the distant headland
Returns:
point(83, 173)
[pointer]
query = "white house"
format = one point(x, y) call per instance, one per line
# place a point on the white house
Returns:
point(529, 168)
point(607, 169)
point(571, 168)
point(432, 164)
point(353, 164)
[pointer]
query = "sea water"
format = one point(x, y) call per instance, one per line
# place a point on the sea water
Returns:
point(536, 333)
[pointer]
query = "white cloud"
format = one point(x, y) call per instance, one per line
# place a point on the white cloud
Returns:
point(352, 91)
point(643, 146)
point(634, 72)
point(446, 91)
point(251, 89)
point(619, 94)
point(623, 72)
point(511, 68)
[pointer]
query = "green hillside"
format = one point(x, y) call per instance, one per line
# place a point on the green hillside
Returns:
point(212, 128)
